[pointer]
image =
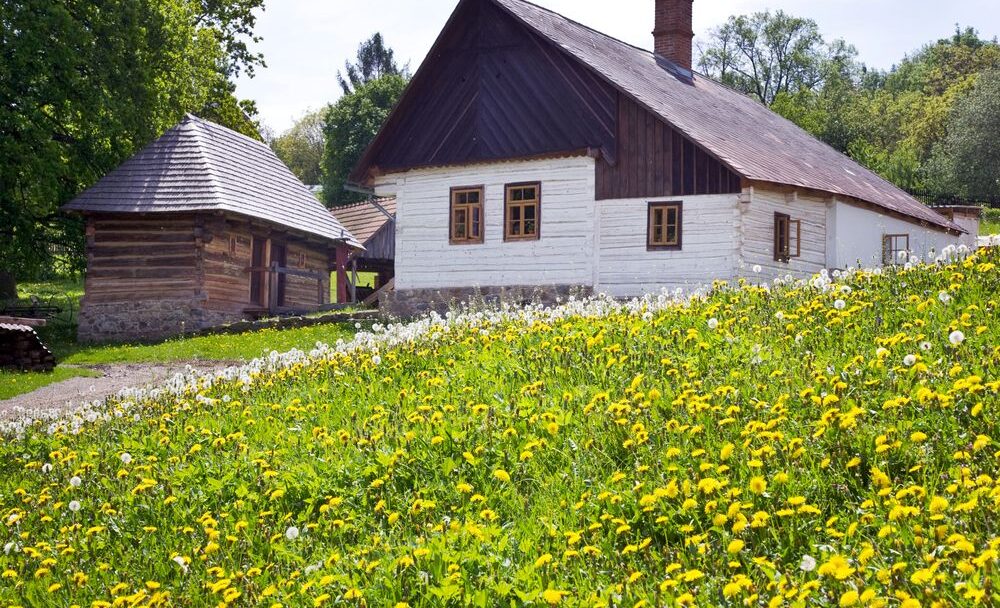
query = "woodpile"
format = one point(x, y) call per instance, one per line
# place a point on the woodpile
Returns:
point(21, 348)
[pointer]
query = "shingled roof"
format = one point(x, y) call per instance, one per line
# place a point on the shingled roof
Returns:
point(201, 166)
point(752, 140)
point(364, 219)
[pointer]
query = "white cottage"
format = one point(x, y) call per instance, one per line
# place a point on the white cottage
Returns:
point(533, 156)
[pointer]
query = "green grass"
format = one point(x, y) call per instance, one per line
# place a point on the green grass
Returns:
point(788, 446)
point(14, 383)
point(239, 347)
point(990, 223)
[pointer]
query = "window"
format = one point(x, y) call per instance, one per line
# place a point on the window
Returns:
point(787, 238)
point(466, 215)
point(893, 245)
point(663, 229)
point(522, 210)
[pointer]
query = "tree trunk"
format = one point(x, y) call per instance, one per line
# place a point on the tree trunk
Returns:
point(8, 286)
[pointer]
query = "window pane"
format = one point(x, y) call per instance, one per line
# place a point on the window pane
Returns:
point(657, 217)
point(529, 212)
point(515, 213)
point(528, 194)
point(672, 215)
point(473, 196)
point(671, 234)
point(658, 234)
point(461, 198)
point(529, 227)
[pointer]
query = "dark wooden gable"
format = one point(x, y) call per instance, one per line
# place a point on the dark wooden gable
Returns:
point(655, 160)
point(491, 89)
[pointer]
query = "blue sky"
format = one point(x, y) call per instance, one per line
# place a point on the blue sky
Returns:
point(306, 41)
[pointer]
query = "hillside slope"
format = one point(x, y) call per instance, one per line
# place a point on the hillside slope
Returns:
point(802, 445)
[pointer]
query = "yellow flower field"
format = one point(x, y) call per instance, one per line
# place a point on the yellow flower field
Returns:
point(823, 444)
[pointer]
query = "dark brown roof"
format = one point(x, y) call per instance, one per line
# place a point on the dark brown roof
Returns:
point(201, 166)
point(755, 142)
point(364, 219)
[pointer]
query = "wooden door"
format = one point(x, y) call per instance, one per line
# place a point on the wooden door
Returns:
point(258, 272)
point(279, 259)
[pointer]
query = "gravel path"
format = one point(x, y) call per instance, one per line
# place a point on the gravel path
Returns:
point(65, 394)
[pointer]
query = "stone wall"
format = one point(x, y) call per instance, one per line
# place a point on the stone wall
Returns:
point(408, 303)
point(144, 320)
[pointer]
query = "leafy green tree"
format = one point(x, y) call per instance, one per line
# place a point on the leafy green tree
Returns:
point(302, 147)
point(83, 85)
point(967, 161)
point(767, 54)
point(373, 61)
point(351, 124)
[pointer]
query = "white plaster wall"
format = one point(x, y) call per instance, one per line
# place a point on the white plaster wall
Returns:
point(564, 255)
point(859, 232)
point(757, 235)
point(708, 238)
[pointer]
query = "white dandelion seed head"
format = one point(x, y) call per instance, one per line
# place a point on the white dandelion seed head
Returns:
point(47, 467)
point(74, 505)
point(376, 360)
point(840, 305)
point(180, 562)
point(292, 533)
point(126, 457)
point(925, 346)
point(779, 316)
point(945, 297)
point(910, 360)
point(713, 323)
point(808, 563)
point(757, 269)
point(75, 481)
point(956, 337)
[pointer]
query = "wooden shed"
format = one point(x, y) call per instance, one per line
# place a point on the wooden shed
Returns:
point(373, 223)
point(203, 227)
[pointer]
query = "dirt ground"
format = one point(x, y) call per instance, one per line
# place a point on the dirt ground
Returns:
point(66, 394)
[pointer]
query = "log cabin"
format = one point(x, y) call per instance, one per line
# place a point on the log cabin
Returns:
point(534, 156)
point(203, 227)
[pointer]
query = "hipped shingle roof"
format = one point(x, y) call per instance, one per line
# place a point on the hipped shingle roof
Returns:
point(201, 166)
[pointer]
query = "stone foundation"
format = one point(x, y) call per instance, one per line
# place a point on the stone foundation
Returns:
point(407, 303)
point(146, 320)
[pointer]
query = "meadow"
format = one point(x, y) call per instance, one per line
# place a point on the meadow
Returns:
point(830, 443)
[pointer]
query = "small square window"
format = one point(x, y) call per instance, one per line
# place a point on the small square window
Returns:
point(522, 212)
point(664, 226)
point(466, 226)
point(787, 238)
point(895, 249)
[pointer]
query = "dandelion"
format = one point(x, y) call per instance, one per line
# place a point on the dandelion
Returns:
point(840, 305)
point(944, 297)
point(181, 562)
point(292, 533)
point(956, 337)
point(553, 597)
point(75, 481)
point(502, 475)
point(910, 360)
point(808, 563)
point(925, 346)
point(47, 468)
point(376, 360)
point(74, 505)
point(713, 324)
point(779, 316)
point(757, 269)
point(735, 546)
point(126, 458)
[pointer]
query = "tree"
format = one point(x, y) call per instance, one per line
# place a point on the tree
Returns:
point(373, 61)
point(767, 54)
point(966, 162)
point(83, 85)
point(351, 124)
point(302, 146)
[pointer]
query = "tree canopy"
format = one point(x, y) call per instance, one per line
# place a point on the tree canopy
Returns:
point(83, 85)
point(374, 60)
point(302, 146)
point(351, 124)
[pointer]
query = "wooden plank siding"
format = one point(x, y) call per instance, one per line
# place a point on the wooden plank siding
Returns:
point(757, 235)
point(157, 252)
point(655, 160)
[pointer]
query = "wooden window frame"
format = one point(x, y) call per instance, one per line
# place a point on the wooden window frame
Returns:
point(651, 245)
point(893, 254)
point(477, 240)
point(787, 253)
point(509, 205)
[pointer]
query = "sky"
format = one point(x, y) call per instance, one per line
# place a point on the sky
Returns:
point(305, 42)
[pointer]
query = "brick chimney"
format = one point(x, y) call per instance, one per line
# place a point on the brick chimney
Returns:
point(674, 33)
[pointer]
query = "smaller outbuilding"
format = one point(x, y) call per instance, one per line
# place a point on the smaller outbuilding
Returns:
point(203, 227)
point(373, 223)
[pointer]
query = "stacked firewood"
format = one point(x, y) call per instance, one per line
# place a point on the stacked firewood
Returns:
point(21, 348)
